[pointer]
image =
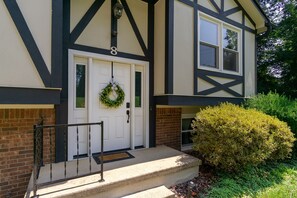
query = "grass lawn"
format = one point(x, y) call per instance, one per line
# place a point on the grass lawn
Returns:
point(272, 180)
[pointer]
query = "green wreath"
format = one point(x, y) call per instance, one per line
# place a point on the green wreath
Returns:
point(105, 95)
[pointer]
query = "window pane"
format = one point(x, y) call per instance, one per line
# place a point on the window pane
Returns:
point(137, 89)
point(208, 32)
point(230, 39)
point(187, 138)
point(230, 60)
point(208, 55)
point(80, 86)
point(186, 124)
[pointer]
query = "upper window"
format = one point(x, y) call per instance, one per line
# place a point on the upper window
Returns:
point(209, 45)
point(219, 45)
point(230, 53)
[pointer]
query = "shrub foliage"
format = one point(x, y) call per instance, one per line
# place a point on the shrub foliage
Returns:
point(277, 105)
point(230, 137)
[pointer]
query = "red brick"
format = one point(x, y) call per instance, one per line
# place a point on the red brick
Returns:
point(168, 127)
point(3, 183)
point(16, 148)
point(10, 129)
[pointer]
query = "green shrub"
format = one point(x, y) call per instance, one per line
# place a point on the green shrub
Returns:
point(230, 137)
point(277, 105)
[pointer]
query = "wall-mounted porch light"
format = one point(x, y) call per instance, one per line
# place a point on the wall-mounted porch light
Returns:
point(118, 9)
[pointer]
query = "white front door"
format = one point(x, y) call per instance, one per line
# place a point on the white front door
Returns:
point(116, 120)
point(125, 126)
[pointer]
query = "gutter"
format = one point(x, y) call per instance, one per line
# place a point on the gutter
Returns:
point(268, 23)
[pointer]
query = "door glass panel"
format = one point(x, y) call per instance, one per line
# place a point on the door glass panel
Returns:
point(138, 89)
point(80, 86)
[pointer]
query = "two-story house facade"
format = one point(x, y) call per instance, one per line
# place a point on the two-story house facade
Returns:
point(170, 58)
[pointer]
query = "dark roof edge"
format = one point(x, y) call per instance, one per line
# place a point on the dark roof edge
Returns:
point(256, 3)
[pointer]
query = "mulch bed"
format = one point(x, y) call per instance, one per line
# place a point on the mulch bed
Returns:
point(199, 185)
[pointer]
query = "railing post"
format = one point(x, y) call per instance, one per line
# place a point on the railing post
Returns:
point(102, 147)
point(40, 131)
point(35, 162)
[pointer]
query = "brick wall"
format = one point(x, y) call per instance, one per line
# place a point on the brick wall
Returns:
point(168, 127)
point(16, 147)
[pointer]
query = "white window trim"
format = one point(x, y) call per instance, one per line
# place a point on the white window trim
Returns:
point(188, 146)
point(221, 25)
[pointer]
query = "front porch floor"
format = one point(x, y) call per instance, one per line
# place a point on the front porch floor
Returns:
point(150, 168)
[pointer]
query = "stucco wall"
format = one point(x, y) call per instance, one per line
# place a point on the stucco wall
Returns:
point(38, 15)
point(159, 36)
point(127, 40)
point(207, 4)
point(17, 68)
point(183, 58)
point(98, 31)
point(250, 67)
point(183, 51)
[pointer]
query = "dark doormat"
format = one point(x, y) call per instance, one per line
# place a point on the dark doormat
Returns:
point(112, 157)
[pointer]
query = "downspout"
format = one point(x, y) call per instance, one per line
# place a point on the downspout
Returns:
point(269, 26)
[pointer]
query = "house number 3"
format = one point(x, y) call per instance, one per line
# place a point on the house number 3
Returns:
point(114, 50)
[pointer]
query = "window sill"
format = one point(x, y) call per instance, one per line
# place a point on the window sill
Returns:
point(186, 147)
point(219, 70)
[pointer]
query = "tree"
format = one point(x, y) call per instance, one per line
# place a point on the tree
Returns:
point(286, 51)
point(277, 60)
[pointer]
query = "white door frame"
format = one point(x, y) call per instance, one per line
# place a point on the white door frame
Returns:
point(90, 56)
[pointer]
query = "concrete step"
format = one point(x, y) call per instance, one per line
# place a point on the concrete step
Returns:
point(149, 169)
point(160, 192)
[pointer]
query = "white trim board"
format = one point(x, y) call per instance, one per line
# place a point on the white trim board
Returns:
point(133, 63)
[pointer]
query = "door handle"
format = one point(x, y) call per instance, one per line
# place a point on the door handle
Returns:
point(128, 114)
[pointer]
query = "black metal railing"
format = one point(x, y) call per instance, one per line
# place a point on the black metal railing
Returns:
point(39, 148)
